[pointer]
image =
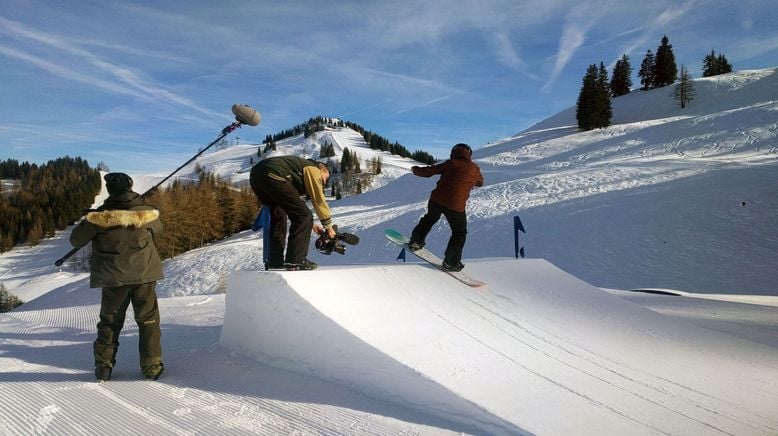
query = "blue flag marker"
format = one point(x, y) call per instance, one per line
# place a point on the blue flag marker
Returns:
point(518, 227)
point(263, 222)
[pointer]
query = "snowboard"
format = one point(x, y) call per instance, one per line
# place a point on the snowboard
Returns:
point(426, 255)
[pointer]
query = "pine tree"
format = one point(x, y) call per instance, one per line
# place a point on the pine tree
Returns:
point(665, 69)
point(593, 109)
point(603, 107)
point(345, 161)
point(36, 233)
point(8, 301)
point(646, 72)
point(724, 65)
point(376, 165)
point(584, 105)
point(621, 82)
point(713, 65)
point(710, 65)
point(684, 89)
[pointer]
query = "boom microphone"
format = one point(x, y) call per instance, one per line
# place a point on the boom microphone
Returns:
point(245, 114)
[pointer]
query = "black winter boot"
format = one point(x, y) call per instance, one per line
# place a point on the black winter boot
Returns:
point(103, 372)
point(305, 265)
point(455, 267)
point(415, 245)
point(152, 372)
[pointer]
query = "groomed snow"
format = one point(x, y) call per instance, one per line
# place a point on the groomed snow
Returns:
point(536, 344)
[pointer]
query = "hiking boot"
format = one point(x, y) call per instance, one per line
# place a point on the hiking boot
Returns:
point(274, 265)
point(103, 372)
point(455, 267)
point(305, 265)
point(415, 245)
point(152, 372)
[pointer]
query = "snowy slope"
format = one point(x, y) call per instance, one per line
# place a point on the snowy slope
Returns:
point(234, 163)
point(683, 201)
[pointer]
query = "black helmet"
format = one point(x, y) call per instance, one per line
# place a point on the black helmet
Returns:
point(462, 146)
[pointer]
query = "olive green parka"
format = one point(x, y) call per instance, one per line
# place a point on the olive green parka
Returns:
point(122, 233)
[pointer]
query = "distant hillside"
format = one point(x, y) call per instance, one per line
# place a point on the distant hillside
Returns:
point(234, 163)
point(731, 117)
point(664, 197)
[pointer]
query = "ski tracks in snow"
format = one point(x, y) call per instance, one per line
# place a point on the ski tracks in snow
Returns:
point(47, 384)
point(671, 397)
point(550, 362)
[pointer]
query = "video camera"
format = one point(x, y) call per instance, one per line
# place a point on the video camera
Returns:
point(327, 245)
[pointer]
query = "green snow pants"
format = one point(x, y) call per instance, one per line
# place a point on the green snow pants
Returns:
point(113, 309)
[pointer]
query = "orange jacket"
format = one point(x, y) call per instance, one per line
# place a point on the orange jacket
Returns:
point(458, 176)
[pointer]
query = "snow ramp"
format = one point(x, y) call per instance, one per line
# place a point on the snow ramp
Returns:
point(537, 351)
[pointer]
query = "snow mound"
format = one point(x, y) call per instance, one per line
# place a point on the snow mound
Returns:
point(616, 367)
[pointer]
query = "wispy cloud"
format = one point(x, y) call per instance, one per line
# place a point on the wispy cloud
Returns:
point(134, 51)
point(127, 81)
point(507, 52)
point(401, 86)
point(363, 109)
point(67, 73)
point(426, 103)
point(509, 55)
point(673, 13)
point(648, 31)
point(577, 22)
point(751, 48)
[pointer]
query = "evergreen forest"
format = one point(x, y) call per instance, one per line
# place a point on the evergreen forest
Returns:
point(44, 198)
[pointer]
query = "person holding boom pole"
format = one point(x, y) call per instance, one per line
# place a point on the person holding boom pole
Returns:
point(126, 265)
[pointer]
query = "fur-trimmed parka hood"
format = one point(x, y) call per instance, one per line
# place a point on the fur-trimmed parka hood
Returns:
point(122, 232)
point(122, 218)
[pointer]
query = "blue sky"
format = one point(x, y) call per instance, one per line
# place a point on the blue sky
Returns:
point(141, 85)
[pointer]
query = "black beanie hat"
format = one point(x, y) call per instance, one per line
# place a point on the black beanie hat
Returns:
point(461, 146)
point(117, 183)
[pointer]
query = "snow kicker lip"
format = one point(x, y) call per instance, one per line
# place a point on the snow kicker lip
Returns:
point(656, 291)
point(272, 318)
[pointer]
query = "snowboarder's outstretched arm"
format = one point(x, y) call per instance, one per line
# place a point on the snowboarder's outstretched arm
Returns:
point(428, 171)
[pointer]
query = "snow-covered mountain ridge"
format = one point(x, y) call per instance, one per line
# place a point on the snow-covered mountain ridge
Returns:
point(234, 163)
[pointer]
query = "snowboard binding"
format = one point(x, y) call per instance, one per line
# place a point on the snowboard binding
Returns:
point(327, 245)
